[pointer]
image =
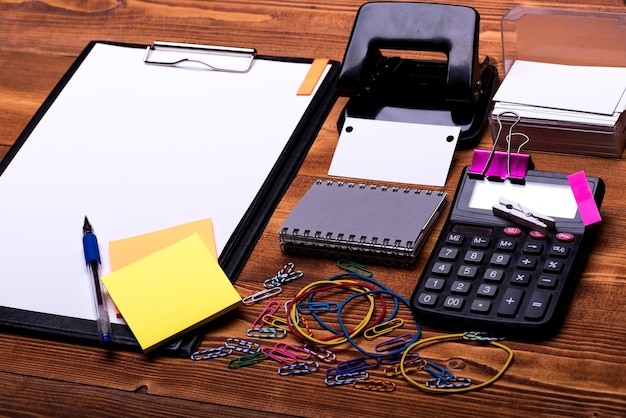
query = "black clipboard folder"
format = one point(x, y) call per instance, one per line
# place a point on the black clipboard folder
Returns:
point(242, 236)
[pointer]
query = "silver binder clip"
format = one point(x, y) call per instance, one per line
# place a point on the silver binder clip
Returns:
point(523, 216)
point(218, 58)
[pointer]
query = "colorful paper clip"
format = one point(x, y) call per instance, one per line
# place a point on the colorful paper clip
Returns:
point(448, 383)
point(409, 366)
point(345, 378)
point(375, 385)
point(382, 328)
point(270, 309)
point(285, 275)
point(247, 360)
point(354, 365)
point(500, 165)
point(210, 353)
point(280, 356)
point(354, 268)
point(263, 294)
point(321, 353)
point(394, 343)
point(276, 322)
point(299, 368)
point(318, 306)
point(266, 332)
point(243, 346)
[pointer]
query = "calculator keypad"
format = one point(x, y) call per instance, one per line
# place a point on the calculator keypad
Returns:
point(499, 275)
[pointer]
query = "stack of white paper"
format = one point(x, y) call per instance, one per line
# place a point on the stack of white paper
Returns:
point(566, 108)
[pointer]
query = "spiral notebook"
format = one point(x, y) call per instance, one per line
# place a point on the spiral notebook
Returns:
point(361, 222)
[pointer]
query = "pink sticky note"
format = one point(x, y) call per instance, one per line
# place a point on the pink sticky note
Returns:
point(584, 198)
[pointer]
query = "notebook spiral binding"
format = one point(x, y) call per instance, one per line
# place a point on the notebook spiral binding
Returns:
point(362, 222)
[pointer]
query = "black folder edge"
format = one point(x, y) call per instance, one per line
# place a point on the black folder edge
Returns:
point(236, 251)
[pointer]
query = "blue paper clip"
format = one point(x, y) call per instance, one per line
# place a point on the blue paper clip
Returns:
point(318, 306)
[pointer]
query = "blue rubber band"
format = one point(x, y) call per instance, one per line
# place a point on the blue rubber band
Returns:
point(355, 345)
point(360, 277)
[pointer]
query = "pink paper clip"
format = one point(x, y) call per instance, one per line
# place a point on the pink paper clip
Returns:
point(502, 165)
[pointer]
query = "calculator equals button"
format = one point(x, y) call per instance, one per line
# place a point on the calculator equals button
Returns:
point(537, 306)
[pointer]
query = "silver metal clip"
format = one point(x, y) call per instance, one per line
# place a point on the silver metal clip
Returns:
point(521, 215)
point(218, 58)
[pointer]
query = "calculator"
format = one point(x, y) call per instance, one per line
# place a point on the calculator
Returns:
point(510, 279)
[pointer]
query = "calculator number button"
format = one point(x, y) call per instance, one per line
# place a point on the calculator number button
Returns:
point(487, 290)
point(442, 269)
point(501, 260)
point(433, 283)
point(493, 275)
point(510, 302)
point(460, 287)
point(475, 257)
point(448, 253)
point(454, 303)
point(427, 299)
point(468, 272)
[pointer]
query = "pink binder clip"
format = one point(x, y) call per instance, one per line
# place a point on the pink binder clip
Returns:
point(501, 165)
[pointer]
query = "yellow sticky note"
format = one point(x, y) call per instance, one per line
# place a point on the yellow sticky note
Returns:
point(171, 291)
point(128, 250)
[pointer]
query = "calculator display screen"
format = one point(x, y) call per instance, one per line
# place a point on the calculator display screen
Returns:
point(555, 200)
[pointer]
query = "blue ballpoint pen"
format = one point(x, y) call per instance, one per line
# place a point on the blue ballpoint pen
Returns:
point(92, 258)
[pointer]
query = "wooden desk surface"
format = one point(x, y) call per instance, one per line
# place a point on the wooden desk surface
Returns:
point(580, 372)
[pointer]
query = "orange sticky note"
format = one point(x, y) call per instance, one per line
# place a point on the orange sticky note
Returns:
point(128, 250)
point(313, 76)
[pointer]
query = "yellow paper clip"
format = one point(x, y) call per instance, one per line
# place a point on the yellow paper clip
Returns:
point(375, 385)
point(382, 328)
point(276, 321)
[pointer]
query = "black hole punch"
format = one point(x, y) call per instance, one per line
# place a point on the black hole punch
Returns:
point(449, 138)
point(349, 129)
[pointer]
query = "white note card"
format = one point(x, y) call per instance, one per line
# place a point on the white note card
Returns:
point(397, 152)
point(566, 87)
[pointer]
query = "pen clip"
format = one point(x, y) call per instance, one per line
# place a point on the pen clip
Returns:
point(521, 215)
